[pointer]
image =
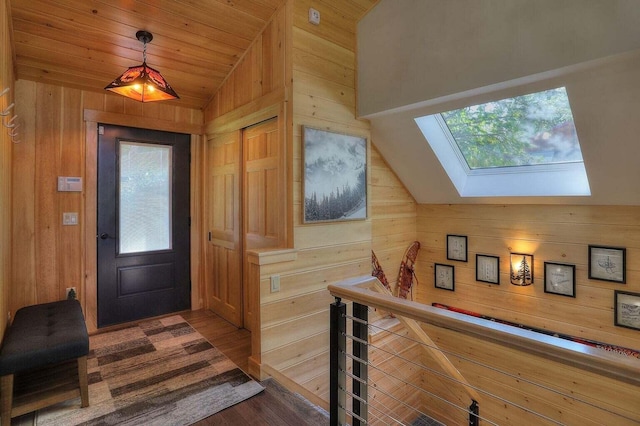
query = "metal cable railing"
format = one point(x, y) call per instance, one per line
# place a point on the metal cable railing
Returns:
point(392, 375)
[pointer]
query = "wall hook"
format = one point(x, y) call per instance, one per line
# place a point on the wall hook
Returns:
point(7, 111)
point(10, 124)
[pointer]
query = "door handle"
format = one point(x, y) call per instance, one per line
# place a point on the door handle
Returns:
point(104, 236)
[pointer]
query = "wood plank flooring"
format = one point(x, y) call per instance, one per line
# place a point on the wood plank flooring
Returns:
point(276, 405)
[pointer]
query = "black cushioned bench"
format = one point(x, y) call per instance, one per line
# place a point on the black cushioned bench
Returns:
point(42, 336)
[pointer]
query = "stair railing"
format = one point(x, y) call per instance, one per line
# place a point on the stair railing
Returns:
point(350, 352)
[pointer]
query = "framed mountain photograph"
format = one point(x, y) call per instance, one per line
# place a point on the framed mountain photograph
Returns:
point(334, 177)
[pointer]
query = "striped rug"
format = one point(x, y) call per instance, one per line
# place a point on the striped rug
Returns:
point(160, 372)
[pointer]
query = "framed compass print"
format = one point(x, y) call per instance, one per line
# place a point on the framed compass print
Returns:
point(560, 278)
point(457, 247)
point(444, 277)
point(607, 264)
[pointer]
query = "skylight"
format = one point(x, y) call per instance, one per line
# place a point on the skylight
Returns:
point(521, 146)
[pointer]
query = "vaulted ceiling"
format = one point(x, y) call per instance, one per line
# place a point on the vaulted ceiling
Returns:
point(196, 43)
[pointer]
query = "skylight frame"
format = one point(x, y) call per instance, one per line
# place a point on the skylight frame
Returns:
point(554, 179)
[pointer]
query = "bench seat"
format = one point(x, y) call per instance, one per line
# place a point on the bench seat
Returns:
point(41, 336)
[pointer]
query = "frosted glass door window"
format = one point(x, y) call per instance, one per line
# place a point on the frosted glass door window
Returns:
point(145, 197)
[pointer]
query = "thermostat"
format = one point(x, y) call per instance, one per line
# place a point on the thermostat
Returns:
point(69, 184)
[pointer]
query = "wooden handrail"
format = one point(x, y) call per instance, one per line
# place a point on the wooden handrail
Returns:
point(418, 334)
point(617, 366)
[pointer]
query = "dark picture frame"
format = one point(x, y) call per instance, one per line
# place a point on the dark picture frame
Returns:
point(457, 247)
point(444, 276)
point(560, 278)
point(488, 269)
point(627, 309)
point(334, 176)
point(608, 264)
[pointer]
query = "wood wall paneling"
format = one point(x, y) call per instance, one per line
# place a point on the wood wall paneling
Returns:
point(23, 292)
point(551, 233)
point(293, 334)
point(393, 210)
point(6, 165)
point(60, 126)
point(323, 97)
point(260, 72)
point(293, 337)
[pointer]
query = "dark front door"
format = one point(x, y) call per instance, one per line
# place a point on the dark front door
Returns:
point(143, 224)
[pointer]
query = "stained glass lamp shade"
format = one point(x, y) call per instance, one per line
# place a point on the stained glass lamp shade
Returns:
point(141, 82)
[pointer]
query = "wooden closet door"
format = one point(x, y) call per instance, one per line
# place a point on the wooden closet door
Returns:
point(263, 194)
point(224, 248)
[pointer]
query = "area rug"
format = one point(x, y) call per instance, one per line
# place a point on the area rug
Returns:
point(160, 372)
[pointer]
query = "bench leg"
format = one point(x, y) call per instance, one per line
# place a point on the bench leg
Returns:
point(6, 398)
point(84, 380)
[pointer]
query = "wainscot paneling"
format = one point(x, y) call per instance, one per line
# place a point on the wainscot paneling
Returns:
point(525, 370)
point(59, 133)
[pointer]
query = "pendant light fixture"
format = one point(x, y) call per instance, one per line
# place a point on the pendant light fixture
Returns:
point(142, 82)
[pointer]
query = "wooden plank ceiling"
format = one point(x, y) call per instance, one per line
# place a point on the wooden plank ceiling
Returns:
point(196, 43)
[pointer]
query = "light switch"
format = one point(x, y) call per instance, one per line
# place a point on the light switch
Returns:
point(70, 218)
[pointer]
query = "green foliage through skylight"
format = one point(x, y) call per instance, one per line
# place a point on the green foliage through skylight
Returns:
point(531, 129)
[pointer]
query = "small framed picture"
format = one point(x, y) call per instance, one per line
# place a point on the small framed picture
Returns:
point(444, 276)
point(457, 247)
point(560, 278)
point(607, 264)
point(627, 309)
point(487, 269)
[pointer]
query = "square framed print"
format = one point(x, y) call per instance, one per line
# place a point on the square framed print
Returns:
point(487, 269)
point(607, 264)
point(457, 247)
point(560, 278)
point(444, 276)
point(334, 176)
point(627, 309)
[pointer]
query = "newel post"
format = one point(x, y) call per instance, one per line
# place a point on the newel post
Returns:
point(337, 377)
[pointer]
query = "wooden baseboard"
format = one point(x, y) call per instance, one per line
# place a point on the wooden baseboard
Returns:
point(255, 369)
point(295, 387)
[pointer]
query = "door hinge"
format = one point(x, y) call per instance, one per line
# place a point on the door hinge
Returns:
point(189, 221)
point(209, 235)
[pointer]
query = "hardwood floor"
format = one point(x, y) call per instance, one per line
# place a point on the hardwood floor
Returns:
point(233, 342)
point(276, 405)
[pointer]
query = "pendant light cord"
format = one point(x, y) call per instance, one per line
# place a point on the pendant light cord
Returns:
point(144, 52)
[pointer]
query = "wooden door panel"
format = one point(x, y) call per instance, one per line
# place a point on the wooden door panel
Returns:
point(224, 249)
point(272, 203)
point(263, 203)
